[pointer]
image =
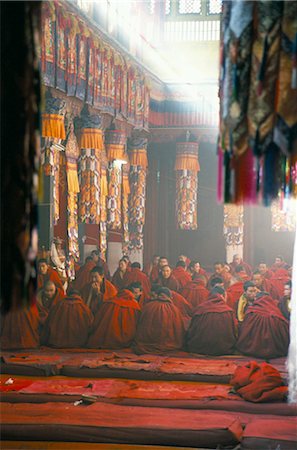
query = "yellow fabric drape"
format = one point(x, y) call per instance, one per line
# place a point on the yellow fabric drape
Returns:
point(138, 157)
point(91, 138)
point(53, 126)
point(126, 185)
point(115, 151)
point(72, 178)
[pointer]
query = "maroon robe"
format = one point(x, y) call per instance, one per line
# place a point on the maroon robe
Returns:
point(245, 265)
point(136, 274)
point(20, 329)
point(278, 281)
point(264, 333)
point(119, 281)
point(234, 293)
point(51, 275)
point(160, 328)
point(170, 283)
point(182, 276)
point(44, 305)
point(213, 328)
point(183, 306)
point(83, 275)
point(195, 292)
point(93, 299)
point(68, 324)
point(267, 286)
point(115, 322)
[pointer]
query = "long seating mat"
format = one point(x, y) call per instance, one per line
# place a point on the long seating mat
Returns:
point(123, 364)
point(101, 422)
point(38, 445)
point(263, 434)
point(164, 394)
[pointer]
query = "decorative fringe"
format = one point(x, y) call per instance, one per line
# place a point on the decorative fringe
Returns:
point(138, 158)
point(187, 162)
point(91, 138)
point(53, 126)
point(116, 151)
point(72, 177)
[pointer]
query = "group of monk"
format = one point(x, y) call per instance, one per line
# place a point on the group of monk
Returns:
point(159, 310)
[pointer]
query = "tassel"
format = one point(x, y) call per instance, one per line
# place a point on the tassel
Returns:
point(294, 64)
point(262, 69)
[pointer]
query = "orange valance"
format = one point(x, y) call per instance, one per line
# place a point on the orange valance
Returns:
point(115, 151)
point(138, 157)
point(186, 161)
point(53, 126)
point(91, 138)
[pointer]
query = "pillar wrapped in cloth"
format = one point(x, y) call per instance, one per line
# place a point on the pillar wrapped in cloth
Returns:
point(72, 155)
point(125, 208)
point(91, 144)
point(115, 144)
point(103, 205)
point(138, 168)
point(187, 168)
point(233, 230)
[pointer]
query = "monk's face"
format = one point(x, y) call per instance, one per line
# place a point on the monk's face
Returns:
point(236, 259)
point(166, 272)
point(218, 268)
point(49, 291)
point(96, 279)
point(123, 266)
point(182, 258)
point(250, 293)
point(277, 261)
point(257, 280)
point(227, 268)
point(95, 257)
point(262, 268)
point(287, 291)
point(156, 260)
point(137, 293)
point(196, 268)
point(163, 262)
point(42, 268)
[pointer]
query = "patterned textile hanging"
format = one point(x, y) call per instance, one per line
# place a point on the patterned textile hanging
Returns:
point(125, 208)
point(56, 178)
point(138, 169)
point(48, 44)
point(115, 143)
point(258, 101)
point(72, 155)
point(187, 168)
point(103, 206)
point(233, 229)
point(283, 215)
point(91, 144)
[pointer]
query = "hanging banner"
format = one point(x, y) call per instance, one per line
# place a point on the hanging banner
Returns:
point(125, 208)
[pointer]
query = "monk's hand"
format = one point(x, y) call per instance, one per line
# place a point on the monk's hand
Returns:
point(96, 287)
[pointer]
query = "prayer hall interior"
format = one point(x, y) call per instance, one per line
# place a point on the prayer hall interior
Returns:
point(148, 225)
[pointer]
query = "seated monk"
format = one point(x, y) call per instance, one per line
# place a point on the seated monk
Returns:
point(68, 323)
point(195, 269)
point(264, 332)
point(185, 259)
point(264, 271)
point(47, 298)
point(20, 328)
point(279, 279)
point(236, 289)
point(245, 300)
point(136, 274)
point(83, 275)
point(167, 280)
point(98, 290)
point(219, 271)
point(264, 285)
point(136, 289)
point(100, 262)
point(47, 273)
point(180, 273)
point(115, 322)
point(163, 261)
point(285, 303)
point(279, 264)
point(238, 261)
point(161, 326)
point(195, 292)
point(213, 326)
point(152, 269)
point(119, 277)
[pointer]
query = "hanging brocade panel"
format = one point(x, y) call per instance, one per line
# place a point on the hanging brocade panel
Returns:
point(72, 58)
point(233, 225)
point(81, 85)
point(114, 200)
point(61, 35)
point(48, 46)
point(91, 72)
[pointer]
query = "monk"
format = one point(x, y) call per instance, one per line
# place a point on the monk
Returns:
point(98, 290)
point(264, 271)
point(264, 285)
point(20, 328)
point(238, 261)
point(285, 302)
point(219, 271)
point(245, 300)
point(68, 324)
point(213, 326)
point(279, 279)
point(115, 322)
point(264, 332)
point(183, 306)
point(136, 289)
point(185, 259)
point(181, 274)
point(167, 280)
point(95, 254)
point(48, 297)
point(163, 261)
point(152, 269)
point(236, 289)
point(83, 275)
point(136, 274)
point(47, 273)
point(279, 264)
point(161, 326)
point(195, 292)
point(119, 277)
point(195, 269)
